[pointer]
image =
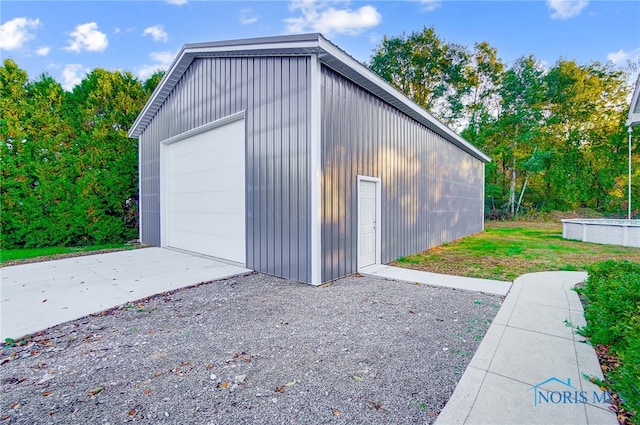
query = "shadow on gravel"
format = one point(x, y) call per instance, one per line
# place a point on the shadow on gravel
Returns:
point(253, 350)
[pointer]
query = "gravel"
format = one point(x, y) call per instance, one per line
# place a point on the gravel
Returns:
point(253, 350)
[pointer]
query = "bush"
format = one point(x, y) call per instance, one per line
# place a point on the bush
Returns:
point(612, 312)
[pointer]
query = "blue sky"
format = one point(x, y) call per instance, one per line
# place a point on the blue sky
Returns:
point(69, 38)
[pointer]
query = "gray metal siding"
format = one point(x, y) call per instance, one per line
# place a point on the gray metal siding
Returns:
point(274, 92)
point(149, 171)
point(431, 189)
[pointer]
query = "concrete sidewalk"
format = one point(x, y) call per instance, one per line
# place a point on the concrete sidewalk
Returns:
point(529, 367)
point(39, 295)
point(495, 287)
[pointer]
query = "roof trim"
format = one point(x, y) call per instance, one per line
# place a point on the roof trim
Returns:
point(634, 106)
point(300, 45)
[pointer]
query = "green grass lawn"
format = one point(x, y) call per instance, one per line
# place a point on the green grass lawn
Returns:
point(10, 256)
point(506, 250)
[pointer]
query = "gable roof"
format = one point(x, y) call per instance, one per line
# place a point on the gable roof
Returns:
point(298, 45)
point(634, 108)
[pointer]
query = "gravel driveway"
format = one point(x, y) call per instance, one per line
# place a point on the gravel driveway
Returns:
point(253, 350)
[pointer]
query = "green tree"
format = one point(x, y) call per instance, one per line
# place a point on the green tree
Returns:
point(520, 123)
point(13, 148)
point(68, 169)
point(484, 76)
point(33, 140)
point(101, 109)
point(428, 69)
point(586, 133)
point(556, 135)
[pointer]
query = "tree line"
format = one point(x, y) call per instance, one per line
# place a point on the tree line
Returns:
point(556, 136)
point(68, 171)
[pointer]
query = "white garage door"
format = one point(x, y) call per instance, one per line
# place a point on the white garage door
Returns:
point(204, 189)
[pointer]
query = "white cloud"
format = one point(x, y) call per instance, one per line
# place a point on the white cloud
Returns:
point(320, 16)
point(14, 33)
point(248, 16)
point(162, 61)
point(177, 2)
point(618, 57)
point(72, 75)
point(87, 37)
point(429, 5)
point(157, 32)
point(43, 50)
point(164, 58)
point(565, 9)
point(621, 56)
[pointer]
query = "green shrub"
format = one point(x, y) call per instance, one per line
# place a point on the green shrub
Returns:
point(613, 293)
point(612, 312)
point(626, 378)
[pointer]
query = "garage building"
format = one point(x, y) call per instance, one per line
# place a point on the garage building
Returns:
point(286, 155)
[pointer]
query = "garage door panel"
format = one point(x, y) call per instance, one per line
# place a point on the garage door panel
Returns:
point(230, 202)
point(200, 182)
point(205, 193)
point(202, 161)
point(223, 225)
point(234, 247)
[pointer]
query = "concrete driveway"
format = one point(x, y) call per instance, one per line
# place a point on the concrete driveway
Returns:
point(39, 295)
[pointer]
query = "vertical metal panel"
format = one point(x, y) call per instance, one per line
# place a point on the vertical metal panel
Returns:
point(274, 93)
point(431, 189)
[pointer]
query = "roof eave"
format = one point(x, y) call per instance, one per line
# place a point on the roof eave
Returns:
point(381, 88)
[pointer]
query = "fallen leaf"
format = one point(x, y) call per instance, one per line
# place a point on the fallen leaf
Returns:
point(224, 385)
point(51, 412)
point(357, 378)
point(147, 391)
point(96, 390)
point(158, 374)
point(280, 389)
point(377, 406)
point(412, 312)
point(290, 384)
point(336, 412)
point(185, 364)
point(46, 393)
point(14, 405)
point(209, 366)
point(132, 412)
point(246, 359)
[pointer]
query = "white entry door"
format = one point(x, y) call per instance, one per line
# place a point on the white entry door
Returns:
point(368, 244)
